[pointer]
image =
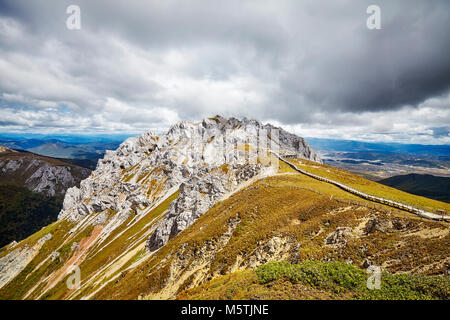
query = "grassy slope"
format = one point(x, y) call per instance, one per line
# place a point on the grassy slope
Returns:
point(371, 187)
point(291, 206)
point(39, 266)
point(121, 240)
point(36, 275)
point(295, 207)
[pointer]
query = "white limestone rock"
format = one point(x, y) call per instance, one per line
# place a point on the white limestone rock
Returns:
point(206, 159)
point(40, 174)
point(15, 261)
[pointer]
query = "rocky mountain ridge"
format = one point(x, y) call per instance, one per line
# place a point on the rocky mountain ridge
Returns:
point(204, 160)
point(44, 175)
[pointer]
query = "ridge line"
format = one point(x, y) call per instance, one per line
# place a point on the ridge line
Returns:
point(391, 203)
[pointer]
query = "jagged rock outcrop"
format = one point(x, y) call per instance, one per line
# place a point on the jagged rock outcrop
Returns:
point(45, 175)
point(204, 161)
point(339, 237)
point(375, 224)
point(197, 195)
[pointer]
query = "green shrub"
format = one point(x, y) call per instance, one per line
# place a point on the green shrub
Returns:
point(339, 277)
point(410, 287)
point(331, 275)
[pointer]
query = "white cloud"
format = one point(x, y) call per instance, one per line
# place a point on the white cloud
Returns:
point(406, 125)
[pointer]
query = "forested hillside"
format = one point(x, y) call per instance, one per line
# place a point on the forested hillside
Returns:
point(23, 212)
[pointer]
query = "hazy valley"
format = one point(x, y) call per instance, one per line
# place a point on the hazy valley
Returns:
point(377, 161)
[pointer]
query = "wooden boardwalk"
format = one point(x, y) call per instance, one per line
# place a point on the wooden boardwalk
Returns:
point(394, 204)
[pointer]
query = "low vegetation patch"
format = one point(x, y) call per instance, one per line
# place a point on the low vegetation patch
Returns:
point(317, 280)
point(341, 277)
point(327, 275)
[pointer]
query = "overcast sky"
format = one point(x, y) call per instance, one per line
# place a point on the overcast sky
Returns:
point(310, 66)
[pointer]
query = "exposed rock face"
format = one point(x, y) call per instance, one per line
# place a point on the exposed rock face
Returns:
point(15, 261)
point(197, 195)
point(52, 180)
point(339, 237)
point(45, 175)
point(204, 161)
point(376, 224)
point(275, 249)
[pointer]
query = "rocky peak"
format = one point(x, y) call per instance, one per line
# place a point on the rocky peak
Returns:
point(45, 175)
point(204, 161)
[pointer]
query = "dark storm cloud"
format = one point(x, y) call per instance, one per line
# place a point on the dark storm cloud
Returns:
point(136, 63)
point(355, 69)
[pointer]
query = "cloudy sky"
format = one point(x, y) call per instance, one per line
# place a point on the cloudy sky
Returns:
point(310, 66)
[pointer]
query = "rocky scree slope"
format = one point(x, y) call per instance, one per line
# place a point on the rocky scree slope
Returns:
point(48, 176)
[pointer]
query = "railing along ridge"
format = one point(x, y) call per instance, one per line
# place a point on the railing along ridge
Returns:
point(391, 203)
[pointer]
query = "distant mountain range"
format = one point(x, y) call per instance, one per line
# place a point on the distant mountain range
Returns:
point(378, 161)
point(328, 145)
point(422, 184)
point(73, 148)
